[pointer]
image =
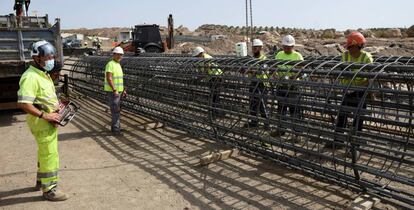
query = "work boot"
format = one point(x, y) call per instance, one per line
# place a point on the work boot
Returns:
point(251, 125)
point(55, 195)
point(277, 133)
point(38, 186)
point(295, 139)
point(266, 145)
point(349, 154)
point(333, 145)
point(117, 133)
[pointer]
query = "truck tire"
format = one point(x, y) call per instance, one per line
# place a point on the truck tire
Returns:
point(153, 49)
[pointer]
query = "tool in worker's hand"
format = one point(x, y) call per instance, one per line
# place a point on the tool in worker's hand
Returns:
point(123, 95)
point(67, 111)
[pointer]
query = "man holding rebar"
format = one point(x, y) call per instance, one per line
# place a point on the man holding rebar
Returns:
point(214, 81)
point(355, 53)
point(287, 92)
point(114, 86)
point(258, 89)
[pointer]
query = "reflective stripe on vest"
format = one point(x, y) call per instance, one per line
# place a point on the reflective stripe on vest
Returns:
point(26, 98)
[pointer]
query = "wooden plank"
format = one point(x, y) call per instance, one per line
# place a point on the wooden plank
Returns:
point(363, 202)
point(216, 156)
point(151, 126)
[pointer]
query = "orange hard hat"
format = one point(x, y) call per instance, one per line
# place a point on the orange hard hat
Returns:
point(355, 38)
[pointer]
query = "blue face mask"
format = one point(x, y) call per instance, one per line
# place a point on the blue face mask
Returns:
point(49, 65)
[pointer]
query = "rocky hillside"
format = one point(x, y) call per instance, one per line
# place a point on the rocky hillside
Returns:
point(381, 41)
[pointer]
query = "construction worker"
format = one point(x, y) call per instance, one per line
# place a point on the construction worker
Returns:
point(98, 44)
point(258, 89)
point(355, 53)
point(94, 40)
point(114, 86)
point(214, 81)
point(37, 97)
point(18, 6)
point(285, 90)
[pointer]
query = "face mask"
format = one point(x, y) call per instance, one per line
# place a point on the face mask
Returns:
point(49, 65)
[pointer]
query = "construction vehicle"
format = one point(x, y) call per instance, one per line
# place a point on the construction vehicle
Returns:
point(148, 38)
point(17, 33)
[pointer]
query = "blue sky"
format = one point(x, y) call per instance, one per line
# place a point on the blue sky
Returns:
point(342, 14)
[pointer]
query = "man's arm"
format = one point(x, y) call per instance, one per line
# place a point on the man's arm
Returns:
point(31, 109)
point(111, 82)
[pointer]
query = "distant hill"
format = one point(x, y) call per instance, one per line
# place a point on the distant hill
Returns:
point(211, 29)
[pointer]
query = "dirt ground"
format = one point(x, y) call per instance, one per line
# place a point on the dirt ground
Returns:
point(149, 169)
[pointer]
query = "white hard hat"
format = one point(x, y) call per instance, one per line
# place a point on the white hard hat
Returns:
point(197, 51)
point(257, 43)
point(42, 48)
point(288, 40)
point(118, 50)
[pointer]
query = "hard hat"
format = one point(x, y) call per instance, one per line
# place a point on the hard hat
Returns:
point(42, 48)
point(197, 51)
point(355, 38)
point(257, 43)
point(288, 40)
point(85, 43)
point(118, 50)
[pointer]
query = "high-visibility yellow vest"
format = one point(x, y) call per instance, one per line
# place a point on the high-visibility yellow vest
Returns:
point(262, 57)
point(262, 74)
point(37, 87)
point(117, 76)
point(212, 67)
point(294, 56)
point(365, 57)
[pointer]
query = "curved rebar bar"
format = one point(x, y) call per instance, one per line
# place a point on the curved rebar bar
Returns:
point(379, 59)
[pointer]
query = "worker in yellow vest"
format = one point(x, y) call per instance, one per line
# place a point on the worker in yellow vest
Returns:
point(37, 97)
point(287, 91)
point(355, 53)
point(258, 89)
point(114, 86)
point(214, 81)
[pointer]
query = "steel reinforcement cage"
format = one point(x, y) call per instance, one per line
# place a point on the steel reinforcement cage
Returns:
point(291, 115)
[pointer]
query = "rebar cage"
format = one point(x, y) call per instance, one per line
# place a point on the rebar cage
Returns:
point(344, 122)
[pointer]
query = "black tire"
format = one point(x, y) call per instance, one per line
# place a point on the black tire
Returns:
point(153, 49)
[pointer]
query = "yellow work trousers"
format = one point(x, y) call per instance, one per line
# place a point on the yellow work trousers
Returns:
point(46, 136)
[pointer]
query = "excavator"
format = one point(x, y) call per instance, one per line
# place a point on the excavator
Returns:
point(147, 38)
